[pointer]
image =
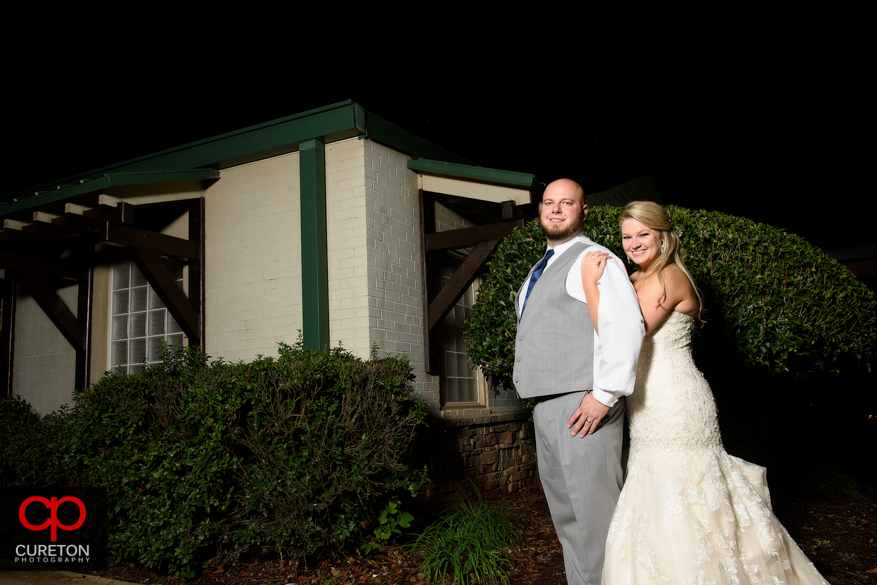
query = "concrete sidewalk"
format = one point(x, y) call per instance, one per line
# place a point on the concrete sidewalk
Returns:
point(53, 578)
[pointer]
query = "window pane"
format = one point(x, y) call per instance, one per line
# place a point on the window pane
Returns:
point(173, 326)
point(137, 278)
point(120, 353)
point(138, 325)
point(136, 351)
point(154, 300)
point(156, 322)
point(121, 276)
point(120, 327)
point(138, 298)
point(452, 390)
point(154, 349)
point(120, 302)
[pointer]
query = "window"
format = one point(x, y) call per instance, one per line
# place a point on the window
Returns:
point(139, 322)
point(461, 383)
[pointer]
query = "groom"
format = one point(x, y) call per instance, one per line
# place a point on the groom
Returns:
point(577, 379)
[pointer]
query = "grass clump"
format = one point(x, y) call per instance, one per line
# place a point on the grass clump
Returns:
point(468, 544)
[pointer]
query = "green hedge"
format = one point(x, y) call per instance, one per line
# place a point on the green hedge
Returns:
point(205, 460)
point(33, 451)
point(781, 303)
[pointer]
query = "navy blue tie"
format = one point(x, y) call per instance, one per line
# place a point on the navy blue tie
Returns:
point(537, 273)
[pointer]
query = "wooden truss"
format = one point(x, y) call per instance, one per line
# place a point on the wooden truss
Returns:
point(438, 300)
point(53, 250)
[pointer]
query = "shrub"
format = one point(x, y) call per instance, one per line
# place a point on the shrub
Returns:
point(33, 449)
point(323, 443)
point(201, 460)
point(161, 442)
point(780, 302)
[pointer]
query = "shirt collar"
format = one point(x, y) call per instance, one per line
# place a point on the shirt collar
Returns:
point(561, 248)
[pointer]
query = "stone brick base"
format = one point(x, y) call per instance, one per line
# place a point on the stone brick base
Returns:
point(497, 453)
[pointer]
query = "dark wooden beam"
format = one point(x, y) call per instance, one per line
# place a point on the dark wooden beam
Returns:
point(7, 328)
point(459, 282)
point(55, 309)
point(161, 243)
point(467, 237)
point(121, 213)
point(45, 236)
point(164, 285)
point(197, 234)
point(14, 261)
point(430, 282)
point(84, 316)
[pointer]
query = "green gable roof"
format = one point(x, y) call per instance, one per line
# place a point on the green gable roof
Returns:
point(202, 159)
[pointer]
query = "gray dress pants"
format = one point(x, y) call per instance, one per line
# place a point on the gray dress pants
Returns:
point(582, 479)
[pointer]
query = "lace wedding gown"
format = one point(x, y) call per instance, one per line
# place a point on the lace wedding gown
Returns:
point(690, 513)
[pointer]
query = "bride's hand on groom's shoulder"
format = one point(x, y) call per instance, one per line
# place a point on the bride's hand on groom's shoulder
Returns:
point(593, 265)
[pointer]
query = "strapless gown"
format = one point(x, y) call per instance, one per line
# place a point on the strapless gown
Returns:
point(689, 513)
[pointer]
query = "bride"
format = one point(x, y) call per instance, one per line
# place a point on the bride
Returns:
point(689, 513)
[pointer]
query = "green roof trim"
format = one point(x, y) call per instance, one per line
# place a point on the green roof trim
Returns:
point(327, 124)
point(108, 180)
point(473, 173)
point(380, 130)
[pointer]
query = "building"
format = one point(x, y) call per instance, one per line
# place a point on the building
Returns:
point(332, 224)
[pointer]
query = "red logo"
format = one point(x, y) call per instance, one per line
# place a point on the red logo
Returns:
point(52, 506)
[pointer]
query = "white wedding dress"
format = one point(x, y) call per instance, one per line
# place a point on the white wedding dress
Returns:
point(690, 513)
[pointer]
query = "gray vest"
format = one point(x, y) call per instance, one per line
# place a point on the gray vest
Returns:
point(554, 347)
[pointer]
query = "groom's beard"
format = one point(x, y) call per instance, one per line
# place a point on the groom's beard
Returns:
point(561, 234)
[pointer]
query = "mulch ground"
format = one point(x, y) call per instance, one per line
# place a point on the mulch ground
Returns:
point(837, 535)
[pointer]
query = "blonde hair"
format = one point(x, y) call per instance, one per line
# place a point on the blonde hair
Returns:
point(653, 216)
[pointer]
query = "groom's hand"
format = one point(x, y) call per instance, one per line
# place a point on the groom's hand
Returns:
point(587, 416)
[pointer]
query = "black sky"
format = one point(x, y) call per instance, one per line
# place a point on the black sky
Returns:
point(754, 113)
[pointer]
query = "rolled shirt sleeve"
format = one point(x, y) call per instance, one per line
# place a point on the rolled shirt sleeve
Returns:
point(621, 328)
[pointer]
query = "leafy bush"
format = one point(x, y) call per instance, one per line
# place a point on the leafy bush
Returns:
point(32, 450)
point(161, 442)
point(782, 303)
point(323, 444)
point(202, 461)
point(469, 543)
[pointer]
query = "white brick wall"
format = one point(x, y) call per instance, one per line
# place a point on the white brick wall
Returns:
point(253, 259)
point(394, 277)
point(346, 231)
point(44, 364)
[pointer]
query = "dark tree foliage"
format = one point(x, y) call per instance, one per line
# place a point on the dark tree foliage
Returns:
point(779, 303)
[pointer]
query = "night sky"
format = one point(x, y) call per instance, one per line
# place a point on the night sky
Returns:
point(746, 111)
